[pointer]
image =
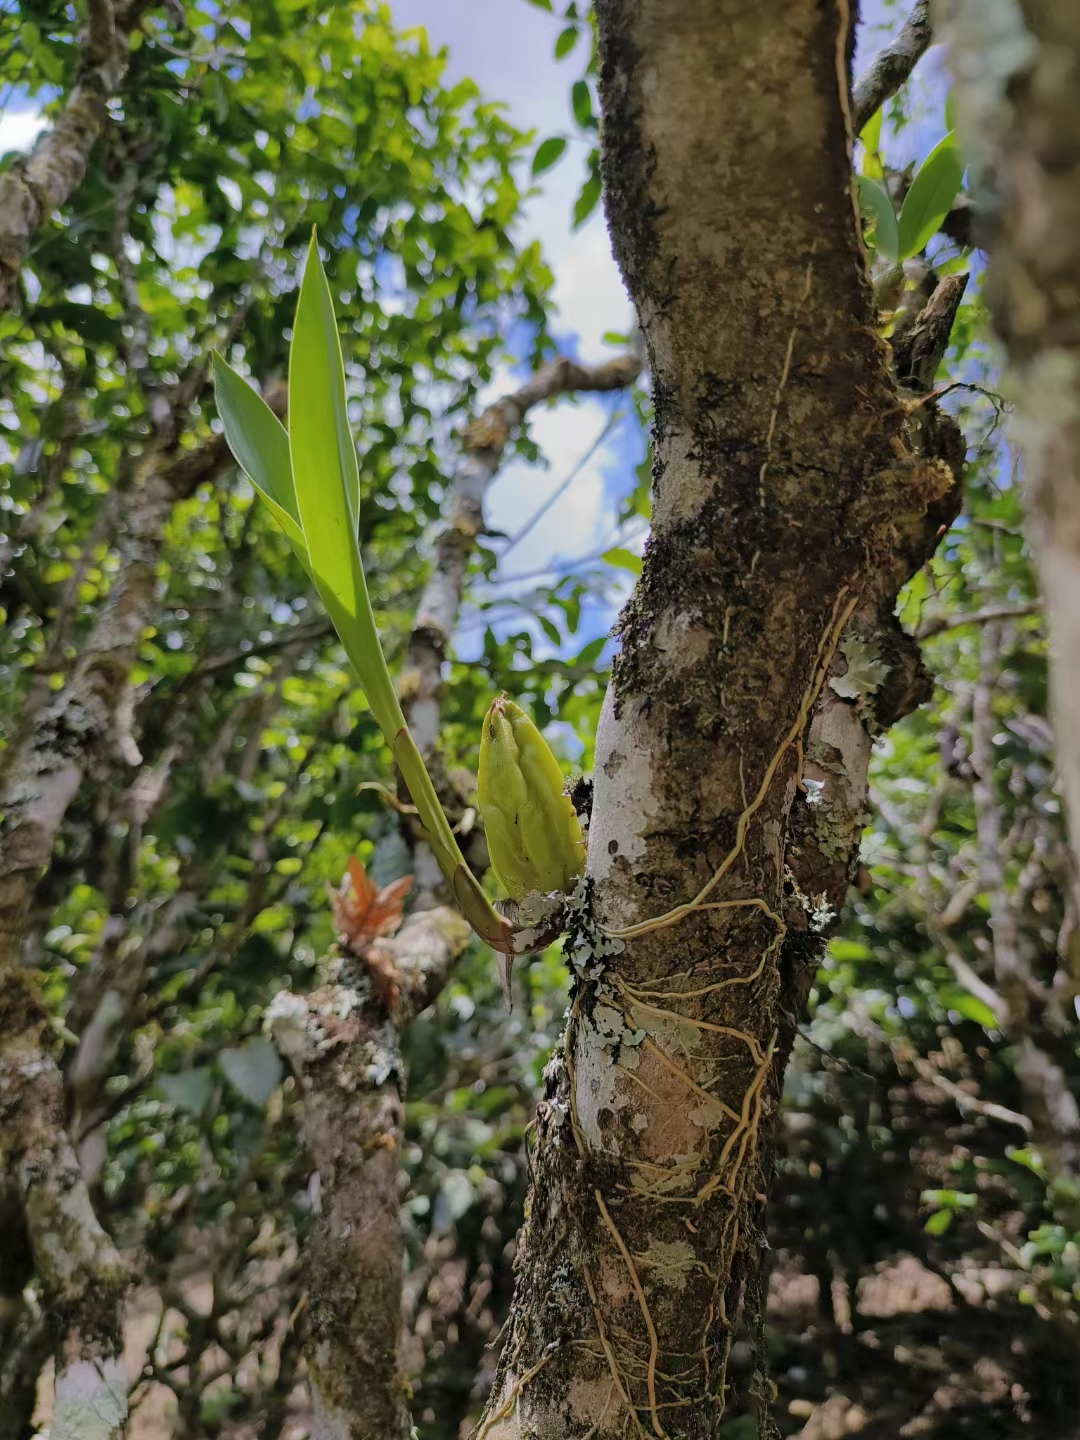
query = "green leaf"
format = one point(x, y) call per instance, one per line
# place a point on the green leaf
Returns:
point(847, 950)
point(939, 1222)
point(871, 143)
point(253, 1070)
point(327, 480)
point(541, 4)
point(550, 630)
point(586, 201)
point(966, 1004)
point(581, 103)
point(875, 206)
point(260, 444)
point(566, 42)
point(623, 559)
point(930, 198)
point(591, 652)
point(870, 134)
point(547, 153)
point(950, 109)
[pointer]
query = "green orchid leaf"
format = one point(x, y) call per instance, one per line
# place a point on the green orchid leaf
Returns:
point(260, 444)
point(875, 206)
point(327, 482)
point(930, 198)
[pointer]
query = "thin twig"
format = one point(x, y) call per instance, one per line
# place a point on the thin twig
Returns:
point(942, 623)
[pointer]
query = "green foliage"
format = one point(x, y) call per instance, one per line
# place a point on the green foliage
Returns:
point(930, 197)
point(926, 204)
point(875, 206)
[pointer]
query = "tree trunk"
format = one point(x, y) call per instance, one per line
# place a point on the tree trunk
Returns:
point(792, 495)
point(1017, 64)
point(88, 723)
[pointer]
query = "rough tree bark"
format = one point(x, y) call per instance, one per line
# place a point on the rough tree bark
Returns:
point(794, 489)
point(1017, 64)
point(343, 1040)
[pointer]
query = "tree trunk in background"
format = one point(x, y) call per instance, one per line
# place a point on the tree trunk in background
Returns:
point(1017, 64)
point(792, 495)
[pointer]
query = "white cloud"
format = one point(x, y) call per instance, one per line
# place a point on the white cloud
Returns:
point(19, 129)
point(579, 521)
point(507, 47)
point(589, 291)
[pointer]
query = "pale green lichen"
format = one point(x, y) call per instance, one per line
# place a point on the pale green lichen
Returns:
point(865, 670)
point(91, 1401)
point(669, 1262)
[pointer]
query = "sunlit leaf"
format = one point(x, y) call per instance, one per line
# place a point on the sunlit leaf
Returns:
point(623, 559)
point(930, 198)
point(328, 483)
point(547, 153)
point(566, 41)
point(260, 444)
point(581, 104)
point(870, 137)
point(586, 201)
point(875, 206)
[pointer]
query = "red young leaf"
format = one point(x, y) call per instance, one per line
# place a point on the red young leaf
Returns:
point(362, 912)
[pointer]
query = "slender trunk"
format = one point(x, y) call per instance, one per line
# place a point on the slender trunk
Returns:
point(792, 495)
point(89, 723)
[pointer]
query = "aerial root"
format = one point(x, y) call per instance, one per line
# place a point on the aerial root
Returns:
point(635, 1280)
point(515, 1392)
point(826, 649)
point(613, 1364)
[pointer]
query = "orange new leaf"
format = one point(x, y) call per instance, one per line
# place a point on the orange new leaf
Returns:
point(363, 912)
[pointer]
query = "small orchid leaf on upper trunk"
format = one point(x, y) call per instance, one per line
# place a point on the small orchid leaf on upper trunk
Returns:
point(260, 444)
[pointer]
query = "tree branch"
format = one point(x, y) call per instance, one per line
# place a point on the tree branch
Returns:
point(941, 623)
point(483, 444)
point(42, 182)
point(891, 67)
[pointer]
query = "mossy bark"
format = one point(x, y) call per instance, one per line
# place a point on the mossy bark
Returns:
point(794, 490)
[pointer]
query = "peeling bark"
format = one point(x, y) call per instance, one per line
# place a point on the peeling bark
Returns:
point(1017, 64)
point(344, 1050)
point(793, 491)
